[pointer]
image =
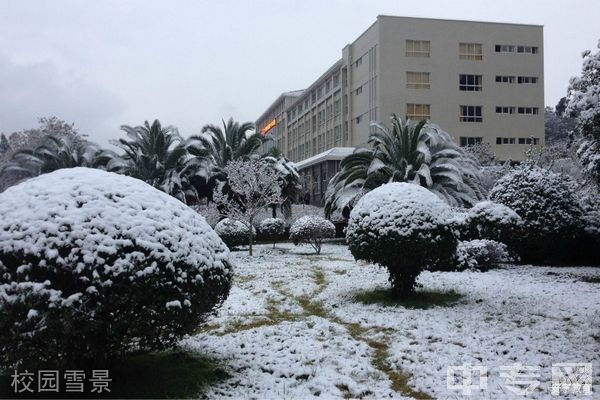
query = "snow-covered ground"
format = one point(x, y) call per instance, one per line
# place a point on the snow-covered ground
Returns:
point(292, 328)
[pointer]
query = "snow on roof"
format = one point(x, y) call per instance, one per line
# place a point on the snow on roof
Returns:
point(335, 153)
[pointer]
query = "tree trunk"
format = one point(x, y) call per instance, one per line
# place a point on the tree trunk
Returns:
point(274, 211)
point(250, 237)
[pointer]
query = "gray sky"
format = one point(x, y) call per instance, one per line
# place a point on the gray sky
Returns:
point(101, 64)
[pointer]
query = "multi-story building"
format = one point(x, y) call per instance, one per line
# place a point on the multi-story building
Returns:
point(480, 81)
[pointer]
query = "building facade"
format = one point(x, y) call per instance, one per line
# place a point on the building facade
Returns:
point(482, 82)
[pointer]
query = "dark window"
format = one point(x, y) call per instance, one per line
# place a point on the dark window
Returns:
point(471, 83)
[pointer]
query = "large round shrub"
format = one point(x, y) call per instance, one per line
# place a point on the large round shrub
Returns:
point(95, 264)
point(312, 229)
point(403, 227)
point(551, 214)
point(233, 232)
point(493, 221)
point(272, 229)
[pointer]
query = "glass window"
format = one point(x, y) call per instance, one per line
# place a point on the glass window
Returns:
point(471, 83)
point(505, 110)
point(527, 80)
point(418, 48)
point(505, 48)
point(505, 79)
point(470, 51)
point(471, 114)
point(418, 112)
point(470, 141)
point(417, 80)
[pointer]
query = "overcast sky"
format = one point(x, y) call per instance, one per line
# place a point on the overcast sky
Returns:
point(101, 64)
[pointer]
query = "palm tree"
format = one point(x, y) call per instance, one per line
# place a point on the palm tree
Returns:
point(421, 153)
point(54, 153)
point(215, 147)
point(158, 156)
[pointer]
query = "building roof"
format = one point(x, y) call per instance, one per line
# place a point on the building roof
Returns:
point(335, 153)
point(292, 93)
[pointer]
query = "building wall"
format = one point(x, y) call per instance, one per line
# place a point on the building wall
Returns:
point(369, 83)
point(445, 66)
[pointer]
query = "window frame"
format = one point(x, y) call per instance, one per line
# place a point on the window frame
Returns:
point(420, 51)
point(413, 115)
point(467, 117)
point(470, 51)
point(470, 87)
point(420, 83)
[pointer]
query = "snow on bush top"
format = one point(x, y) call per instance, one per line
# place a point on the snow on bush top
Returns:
point(272, 226)
point(540, 197)
point(92, 214)
point(403, 208)
point(494, 212)
point(229, 227)
point(312, 226)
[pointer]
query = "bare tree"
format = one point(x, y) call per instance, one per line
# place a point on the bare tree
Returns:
point(253, 186)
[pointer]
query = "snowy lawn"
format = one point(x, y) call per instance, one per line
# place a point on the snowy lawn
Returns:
point(298, 325)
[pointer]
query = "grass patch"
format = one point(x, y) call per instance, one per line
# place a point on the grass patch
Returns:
point(166, 375)
point(399, 379)
point(420, 300)
point(163, 375)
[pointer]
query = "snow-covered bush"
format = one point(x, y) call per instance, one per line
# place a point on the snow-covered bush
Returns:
point(234, 233)
point(95, 264)
point(480, 254)
point(551, 214)
point(312, 229)
point(583, 102)
point(272, 229)
point(493, 221)
point(404, 228)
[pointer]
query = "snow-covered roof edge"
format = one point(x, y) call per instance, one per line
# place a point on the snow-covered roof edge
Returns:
point(335, 153)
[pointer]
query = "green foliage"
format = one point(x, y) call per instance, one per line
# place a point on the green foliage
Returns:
point(233, 233)
point(550, 212)
point(54, 153)
point(403, 228)
point(158, 156)
point(419, 153)
point(311, 229)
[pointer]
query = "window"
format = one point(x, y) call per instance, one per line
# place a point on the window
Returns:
point(505, 48)
point(470, 114)
point(505, 140)
point(470, 141)
point(527, 49)
point(470, 83)
point(358, 119)
point(505, 79)
point(470, 51)
point(528, 110)
point(358, 90)
point(418, 48)
point(327, 86)
point(313, 98)
point(418, 112)
point(358, 62)
point(417, 80)
point(336, 80)
point(531, 80)
point(505, 110)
